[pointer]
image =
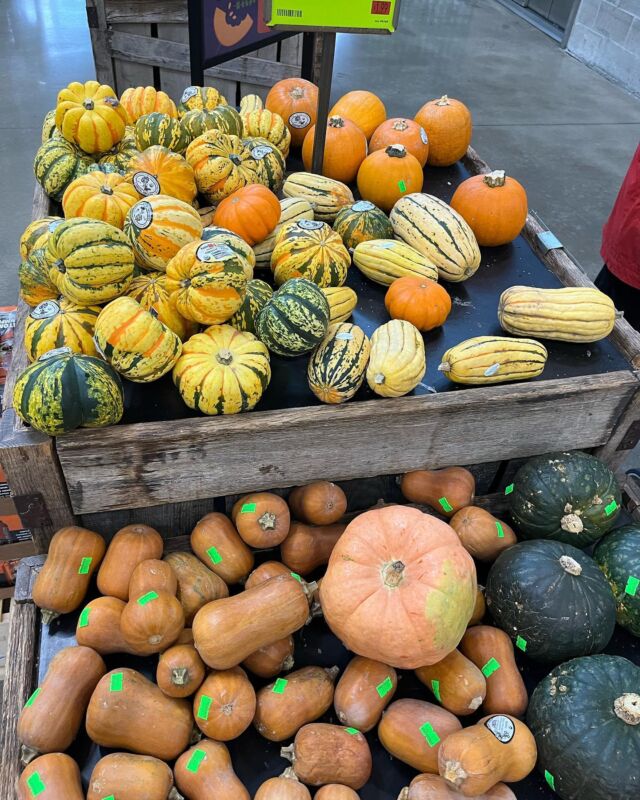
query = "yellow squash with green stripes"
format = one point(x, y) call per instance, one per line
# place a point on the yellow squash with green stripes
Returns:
point(572, 314)
point(256, 298)
point(60, 323)
point(33, 275)
point(150, 290)
point(293, 209)
point(264, 124)
point(493, 359)
point(221, 164)
point(397, 360)
point(327, 197)
point(338, 364)
point(249, 103)
point(35, 235)
point(199, 97)
point(120, 155)
point(386, 260)
point(270, 163)
point(219, 235)
point(342, 301)
point(58, 162)
point(308, 248)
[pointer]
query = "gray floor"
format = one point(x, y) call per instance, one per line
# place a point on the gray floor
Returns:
point(565, 132)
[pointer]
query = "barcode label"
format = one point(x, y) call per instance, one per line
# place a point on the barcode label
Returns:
point(288, 12)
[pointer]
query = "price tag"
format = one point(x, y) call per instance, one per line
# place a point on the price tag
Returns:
point(501, 727)
point(509, 488)
point(203, 708)
point(279, 686)
point(46, 309)
point(550, 779)
point(214, 555)
point(35, 784)
point(500, 530)
point(296, 576)
point(116, 682)
point(429, 734)
point(85, 565)
point(147, 598)
point(145, 184)
point(385, 687)
point(84, 617)
point(142, 215)
point(374, 16)
point(195, 759)
point(521, 644)
point(492, 665)
point(352, 731)
point(435, 688)
point(31, 700)
point(632, 586)
point(446, 505)
point(247, 508)
point(402, 186)
point(611, 508)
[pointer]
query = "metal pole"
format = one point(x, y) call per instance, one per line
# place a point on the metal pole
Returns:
point(324, 94)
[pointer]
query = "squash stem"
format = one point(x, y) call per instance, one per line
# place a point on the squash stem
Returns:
point(267, 521)
point(454, 773)
point(289, 753)
point(404, 794)
point(627, 708)
point(174, 794)
point(392, 574)
point(48, 616)
point(333, 672)
point(570, 565)
point(179, 676)
point(288, 663)
point(27, 754)
point(444, 367)
point(290, 774)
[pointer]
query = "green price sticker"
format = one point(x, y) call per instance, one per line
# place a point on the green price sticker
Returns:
point(35, 784)
point(196, 758)
point(508, 489)
point(116, 681)
point(385, 687)
point(247, 508)
point(611, 508)
point(435, 688)
point(492, 665)
point(429, 734)
point(632, 586)
point(402, 186)
point(550, 779)
point(214, 555)
point(446, 505)
point(521, 644)
point(147, 598)
point(279, 686)
point(500, 530)
point(109, 797)
point(296, 576)
point(203, 708)
point(84, 617)
point(352, 731)
point(31, 700)
point(85, 565)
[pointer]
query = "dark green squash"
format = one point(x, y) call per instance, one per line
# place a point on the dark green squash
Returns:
point(222, 118)
point(569, 497)
point(585, 716)
point(618, 556)
point(159, 128)
point(552, 600)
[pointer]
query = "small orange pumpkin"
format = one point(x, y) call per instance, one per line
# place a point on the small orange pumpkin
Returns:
point(252, 212)
point(364, 108)
point(99, 196)
point(345, 149)
point(386, 175)
point(421, 302)
point(402, 131)
point(449, 126)
point(494, 205)
point(296, 100)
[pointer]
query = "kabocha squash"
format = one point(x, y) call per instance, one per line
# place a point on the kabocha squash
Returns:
point(285, 787)
point(570, 497)
point(481, 534)
point(219, 235)
point(327, 197)
point(572, 314)
point(434, 229)
point(63, 391)
point(249, 103)
point(221, 164)
point(337, 366)
point(224, 704)
point(135, 342)
point(345, 149)
point(160, 129)
point(552, 600)
point(362, 222)
point(52, 716)
point(310, 249)
point(456, 683)
point(318, 503)
point(447, 490)
point(484, 360)
point(494, 206)
point(308, 547)
point(180, 671)
point(129, 547)
point(120, 155)
point(262, 519)
point(292, 209)
point(222, 371)
point(99, 626)
point(264, 124)
point(35, 235)
point(397, 360)
point(217, 544)
point(434, 787)
point(296, 101)
point(226, 631)
point(91, 116)
point(270, 163)
point(256, 297)
point(125, 775)
point(272, 659)
point(206, 771)
point(387, 175)
point(423, 303)
point(129, 712)
point(151, 622)
point(324, 753)
point(618, 556)
point(221, 118)
point(157, 228)
point(150, 291)
point(365, 109)
point(200, 97)
point(431, 579)
point(585, 716)
point(252, 212)
point(335, 791)
point(141, 100)
point(33, 274)
point(285, 706)
point(158, 170)
point(490, 649)
point(152, 575)
point(296, 318)
point(197, 585)
point(363, 692)
point(385, 260)
point(448, 125)
point(50, 777)
point(53, 324)
point(402, 131)
point(57, 163)
point(342, 302)
point(99, 196)
point(413, 731)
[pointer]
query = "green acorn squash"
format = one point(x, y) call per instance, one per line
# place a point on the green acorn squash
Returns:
point(362, 222)
point(159, 128)
point(57, 163)
point(256, 298)
point(221, 118)
point(618, 556)
point(296, 318)
point(198, 97)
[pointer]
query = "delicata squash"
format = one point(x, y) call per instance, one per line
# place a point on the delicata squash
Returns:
point(485, 360)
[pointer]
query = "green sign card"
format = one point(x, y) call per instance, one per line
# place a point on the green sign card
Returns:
point(365, 16)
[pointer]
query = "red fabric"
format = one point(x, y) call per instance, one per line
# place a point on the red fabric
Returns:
point(621, 233)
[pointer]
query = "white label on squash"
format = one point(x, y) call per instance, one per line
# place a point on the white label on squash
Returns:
point(53, 225)
point(58, 351)
point(501, 727)
point(189, 92)
point(489, 371)
point(210, 251)
point(344, 335)
point(310, 224)
point(261, 151)
point(145, 184)
point(423, 136)
point(46, 309)
point(142, 215)
point(299, 120)
point(384, 245)
point(362, 205)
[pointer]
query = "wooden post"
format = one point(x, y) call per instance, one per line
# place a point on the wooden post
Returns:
point(324, 97)
point(97, 20)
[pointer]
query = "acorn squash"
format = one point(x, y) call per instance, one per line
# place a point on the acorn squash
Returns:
point(160, 129)
point(36, 234)
point(91, 116)
point(221, 164)
point(158, 170)
point(270, 163)
point(120, 155)
point(33, 275)
point(214, 233)
point(293, 209)
point(361, 222)
point(257, 296)
point(99, 195)
point(57, 163)
point(150, 290)
point(141, 100)
point(260, 123)
point(198, 97)
point(222, 118)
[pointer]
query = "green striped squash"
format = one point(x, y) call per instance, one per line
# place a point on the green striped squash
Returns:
point(159, 128)
point(49, 130)
point(198, 97)
point(35, 235)
point(342, 301)
point(338, 365)
point(485, 360)
point(122, 153)
point(310, 249)
point(327, 197)
point(434, 229)
point(361, 222)
point(59, 323)
point(57, 163)
point(295, 320)
point(33, 276)
point(385, 260)
point(258, 295)
point(214, 233)
point(62, 391)
point(293, 209)
point(270, 163)
point(221, 118)
point(106, 169)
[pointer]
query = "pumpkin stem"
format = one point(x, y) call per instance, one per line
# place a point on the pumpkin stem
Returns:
point(27, 754)
point(572, 523)
point(288, 663)
point(333, 672)
point(444, 367)
point(88, 104)
point(570, 565)
point(392, 574)
point(235, 159)
point(185, 283)
point(443, 101)
point(268, 520)
point(289, 753)
point(196, 735)
point(619, 314)
point(396, 151)
point(336, 122)
point(495, 178)
point(106, 190)
point(315, 611)
point(226, 357)
point(48, 616)
point(627, 708)
point(290, 774)
point(227, 709)
point(400, 125)
point(174, 794)
point(309, 588)
point(454, 773)
point(297, 93)
point(179, 676)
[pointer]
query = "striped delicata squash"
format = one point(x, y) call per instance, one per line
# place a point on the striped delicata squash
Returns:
point(342, 301)
point(397, 360)
point(326, 196)
point(493, 359)
point(337, 366)
point(385, 260)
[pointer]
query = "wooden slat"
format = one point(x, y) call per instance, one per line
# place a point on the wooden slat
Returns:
point(167, 11)
point(97, 20)
point(153, 463)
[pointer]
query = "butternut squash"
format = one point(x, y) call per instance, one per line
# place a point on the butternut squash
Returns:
point(413, 731)
point(481, 534)
point(364, 690)
point(497, 748)
point(99, 626)
point(130, 545)
point(262, 519)
point(446, 490)
point(456, 683)
point(285, 706)
point(126, 776)
point(285, 787)
point(480, 608)
point(318, 503)
point(205, 771)
point(335, 791)
point(225, 704)
point(52, 716)
point(218, 545)
point(272, 659)
point(151, 622)
point(62, 583)
point(491, 650)
point(50, 777)
point(434, 787)
point(186, 637)
point(129, 712)
point(197, 585)
point(180, 671)
point(308, 547)
point(152, 575)
point(266, 570)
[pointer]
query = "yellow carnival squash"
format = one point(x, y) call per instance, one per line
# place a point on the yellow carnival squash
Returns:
point(337, 366)
point(90, 262)
point(342, 301)
point(99, 196)
point(221, 164)
point(141, 100)
point(220, 235)
point(91, 116)
point(308, 248)
point(249, 103)
point(150, 290)
point(572, 314)
point(198, 97)
point(327, 197)
point(135, 342)
point(60, 323)
point(397, 360)
point(158, 170)
point(386, 260)
point(292, 209)
point(264, 124)
point(35, 235)
point(493, 359)
point(33, 274)
point(222, 371)
point(159, 227)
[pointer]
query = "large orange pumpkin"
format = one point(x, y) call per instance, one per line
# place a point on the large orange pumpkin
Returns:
point(421, 302)
point(399, 587)
point(99, 196)
point(401, 131)
point(387, 175)
point(494, 206)
point(252, 212)
point(158, 170)
point(364, 108)
point(296, 100)
point(345, 149)
point(448, 125)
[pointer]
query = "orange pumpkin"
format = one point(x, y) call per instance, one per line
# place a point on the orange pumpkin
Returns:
point(421, 302)
point(99, 196)
point(448, 125)
point(386, 175)
point(398, 130)
point(494, 205)
point(158, 170)
point(296, 100)
point(252, 212)
point(345, 149)
point(364, 108)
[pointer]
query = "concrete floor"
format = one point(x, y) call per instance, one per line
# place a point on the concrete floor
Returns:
point(565, 132)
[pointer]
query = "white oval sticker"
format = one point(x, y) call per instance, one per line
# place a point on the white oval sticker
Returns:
point(299, 120)
point(501, 727)
point(53, 225)
point(145, 184)
point(142, 215)
point(310, 224)
point(210, 251)
point(344, 335)
point(189, 92)
point(362, 205)
point(46, 309)
point(423, 136)
point(261, 151)
point(58, 351)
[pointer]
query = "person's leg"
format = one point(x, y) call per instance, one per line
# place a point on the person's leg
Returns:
point(625, 297)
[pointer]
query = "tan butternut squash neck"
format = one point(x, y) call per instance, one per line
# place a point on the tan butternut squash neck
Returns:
point(393, 574)
point(627, 708)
